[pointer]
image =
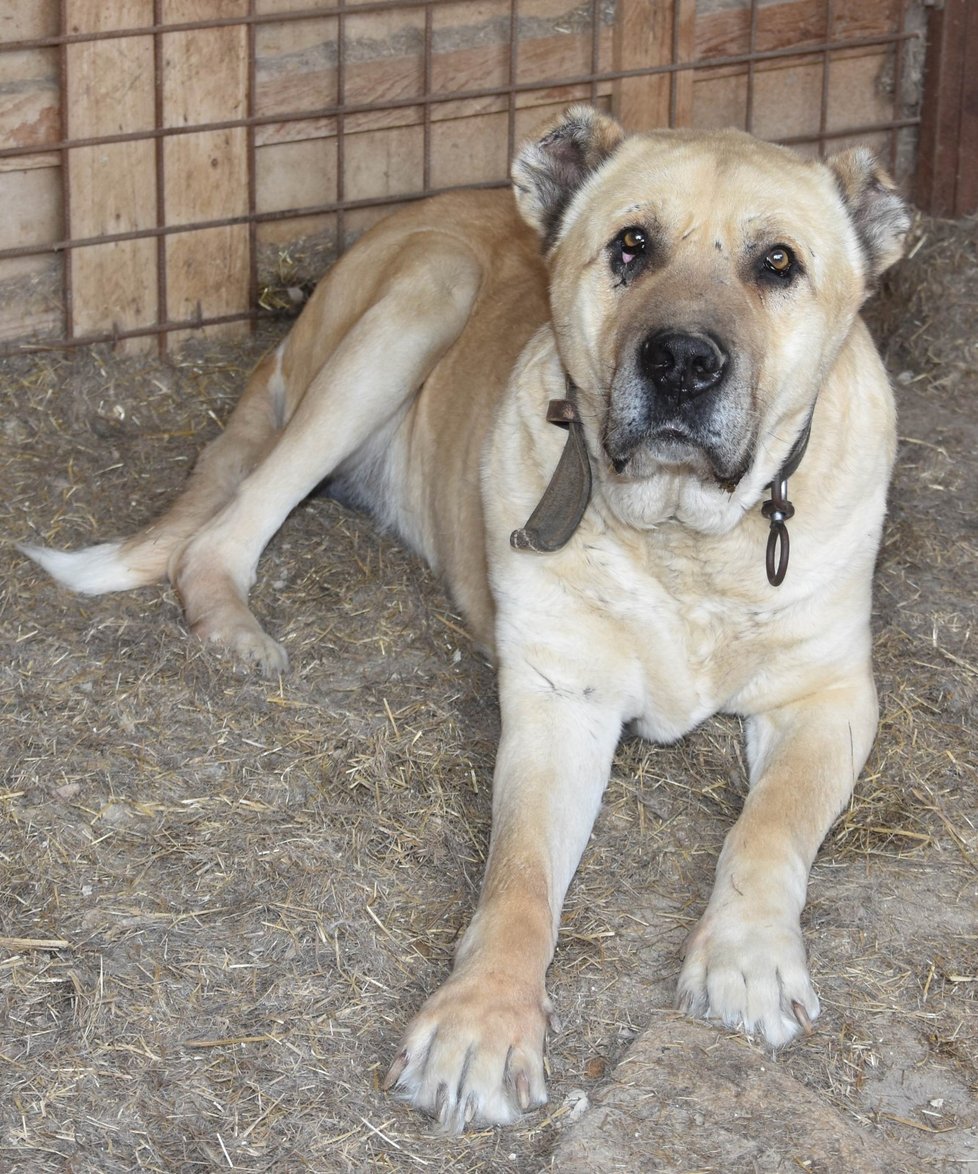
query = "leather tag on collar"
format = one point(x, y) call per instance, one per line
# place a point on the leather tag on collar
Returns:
point(565, 499)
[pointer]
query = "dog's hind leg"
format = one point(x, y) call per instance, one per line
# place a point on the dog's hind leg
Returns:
point(373, 330)
point(362, 389)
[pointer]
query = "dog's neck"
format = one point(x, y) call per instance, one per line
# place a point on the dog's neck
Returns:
point(561, 508)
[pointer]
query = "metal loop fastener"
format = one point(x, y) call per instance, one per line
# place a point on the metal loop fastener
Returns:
point(778, 510)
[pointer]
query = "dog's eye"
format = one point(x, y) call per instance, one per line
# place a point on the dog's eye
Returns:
point(779, 260)
point(631, 243)
point(629, 251)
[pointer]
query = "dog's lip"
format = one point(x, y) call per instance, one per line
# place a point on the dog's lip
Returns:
point(672, 434)
point(672, 445)
point(666, 446)
point(669, 442)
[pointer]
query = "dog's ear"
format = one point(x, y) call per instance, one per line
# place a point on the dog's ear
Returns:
point(879, 213)
point(549, 168)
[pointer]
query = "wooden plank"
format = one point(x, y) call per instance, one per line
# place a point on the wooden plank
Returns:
point(798, 23)
point(109, 90)
point(651, 33)
point(787, 103)
point(462, 71)
point(947, 161)
point(205, 175)
point(29, 102)
point(205, 79)
point(684, 47)
point(29, 98)
point(30, 191)
point(30, 287)
point(643, 39)
point(453, 160)
point(384, 163)
point(26, 20)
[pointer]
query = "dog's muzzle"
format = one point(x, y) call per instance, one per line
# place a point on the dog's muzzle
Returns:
point(676, 399)
point(565, 500)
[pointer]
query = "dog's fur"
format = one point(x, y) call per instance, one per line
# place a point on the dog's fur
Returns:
point(416, 382)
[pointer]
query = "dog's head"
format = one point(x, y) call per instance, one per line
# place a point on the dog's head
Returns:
point(702, 285)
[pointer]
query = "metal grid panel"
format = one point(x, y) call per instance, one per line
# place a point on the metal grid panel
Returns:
point(821, 41)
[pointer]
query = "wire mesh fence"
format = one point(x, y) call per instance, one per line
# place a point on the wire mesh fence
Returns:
point(170, 166)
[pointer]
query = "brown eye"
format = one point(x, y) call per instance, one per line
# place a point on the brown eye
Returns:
point(633, 240)
point(779, 260)
point(629, 251)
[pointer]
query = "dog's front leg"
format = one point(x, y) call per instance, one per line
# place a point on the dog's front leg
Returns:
point(475, 1050)
point(745, 960)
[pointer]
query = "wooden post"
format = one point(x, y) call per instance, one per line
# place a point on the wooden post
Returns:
point(947, 159)
point(111, 188)
point(650, 33)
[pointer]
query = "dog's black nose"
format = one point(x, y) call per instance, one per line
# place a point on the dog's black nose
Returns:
point(682, 366)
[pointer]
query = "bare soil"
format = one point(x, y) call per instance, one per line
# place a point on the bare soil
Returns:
point(221, 897)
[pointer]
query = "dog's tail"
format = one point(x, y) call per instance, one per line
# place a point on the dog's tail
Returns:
point(149, 555)
point(109, 566)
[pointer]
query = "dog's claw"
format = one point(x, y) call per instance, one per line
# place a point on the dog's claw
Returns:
point(396, 1071)
point(523, 1091)
point(802, 1016)
point(442, 1105)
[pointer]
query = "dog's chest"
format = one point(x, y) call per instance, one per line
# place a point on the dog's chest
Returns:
point(691, 646)
point(691, 659)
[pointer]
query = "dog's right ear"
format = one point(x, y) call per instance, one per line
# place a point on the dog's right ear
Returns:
point(549, 169)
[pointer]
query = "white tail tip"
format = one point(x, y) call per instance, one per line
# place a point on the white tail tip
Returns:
point(92, 571)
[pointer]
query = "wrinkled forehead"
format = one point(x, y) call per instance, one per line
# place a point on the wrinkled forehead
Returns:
point(725, 186)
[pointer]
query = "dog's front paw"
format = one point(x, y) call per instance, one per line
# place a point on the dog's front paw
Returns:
point(474, 1053)
point(749, 972)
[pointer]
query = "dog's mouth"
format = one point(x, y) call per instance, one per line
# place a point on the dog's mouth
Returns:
point(666, 445)
point(676, 447)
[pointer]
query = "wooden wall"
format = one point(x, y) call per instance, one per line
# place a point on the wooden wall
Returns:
point(358, 159)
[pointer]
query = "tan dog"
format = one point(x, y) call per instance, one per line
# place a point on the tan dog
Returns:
point(695, 310)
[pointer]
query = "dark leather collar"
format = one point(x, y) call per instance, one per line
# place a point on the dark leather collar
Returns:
point(798, 450)
point(561, 508)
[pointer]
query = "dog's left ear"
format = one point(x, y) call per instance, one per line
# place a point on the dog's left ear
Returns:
point(879, 213)
point(549, 169)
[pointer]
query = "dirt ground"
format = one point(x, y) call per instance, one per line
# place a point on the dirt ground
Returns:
point(221, 897)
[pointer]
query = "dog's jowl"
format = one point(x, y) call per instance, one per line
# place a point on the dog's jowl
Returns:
point(600, 406)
